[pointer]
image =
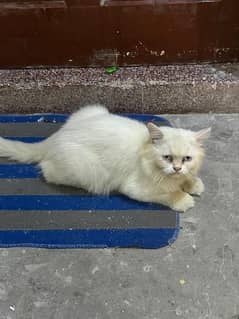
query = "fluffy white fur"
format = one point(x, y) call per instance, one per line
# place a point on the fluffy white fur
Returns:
point(102, 152)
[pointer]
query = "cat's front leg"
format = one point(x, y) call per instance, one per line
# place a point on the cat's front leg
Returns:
point(193, 186)
point(179, 201)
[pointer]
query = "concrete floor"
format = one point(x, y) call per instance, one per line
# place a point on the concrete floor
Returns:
point(196, 278)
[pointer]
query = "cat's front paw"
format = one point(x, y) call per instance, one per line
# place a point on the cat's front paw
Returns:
point(197, 188)
point(184, 203)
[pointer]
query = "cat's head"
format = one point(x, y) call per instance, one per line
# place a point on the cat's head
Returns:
point(177, 152)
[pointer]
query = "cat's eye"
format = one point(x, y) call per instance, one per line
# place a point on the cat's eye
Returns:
point(187, 158)
point(168, 158)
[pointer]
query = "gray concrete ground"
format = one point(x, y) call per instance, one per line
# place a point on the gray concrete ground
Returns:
point(196, 278)
point(153, 89)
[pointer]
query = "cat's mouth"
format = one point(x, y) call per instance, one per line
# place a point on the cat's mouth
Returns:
point(177, 174)
point(174, 173)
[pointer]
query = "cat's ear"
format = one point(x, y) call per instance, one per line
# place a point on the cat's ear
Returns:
point(202, 135)
point(154, 131)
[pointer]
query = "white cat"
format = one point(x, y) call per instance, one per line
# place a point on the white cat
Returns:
point(102, 152)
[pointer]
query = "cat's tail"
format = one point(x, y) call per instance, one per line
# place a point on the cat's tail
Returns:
point(22, 152)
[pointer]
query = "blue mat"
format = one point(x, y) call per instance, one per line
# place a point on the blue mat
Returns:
point(36, 214)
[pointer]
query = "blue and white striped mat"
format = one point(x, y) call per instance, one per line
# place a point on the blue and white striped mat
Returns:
point(36, 214)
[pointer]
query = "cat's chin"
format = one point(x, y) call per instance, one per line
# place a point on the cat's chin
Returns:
point(176, 175)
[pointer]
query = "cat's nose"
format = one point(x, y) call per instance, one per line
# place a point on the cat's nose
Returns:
point(177, 168)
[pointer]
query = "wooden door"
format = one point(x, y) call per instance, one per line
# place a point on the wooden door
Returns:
point(121, 32)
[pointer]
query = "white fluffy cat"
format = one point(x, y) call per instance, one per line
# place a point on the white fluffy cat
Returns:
point(102, 152)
